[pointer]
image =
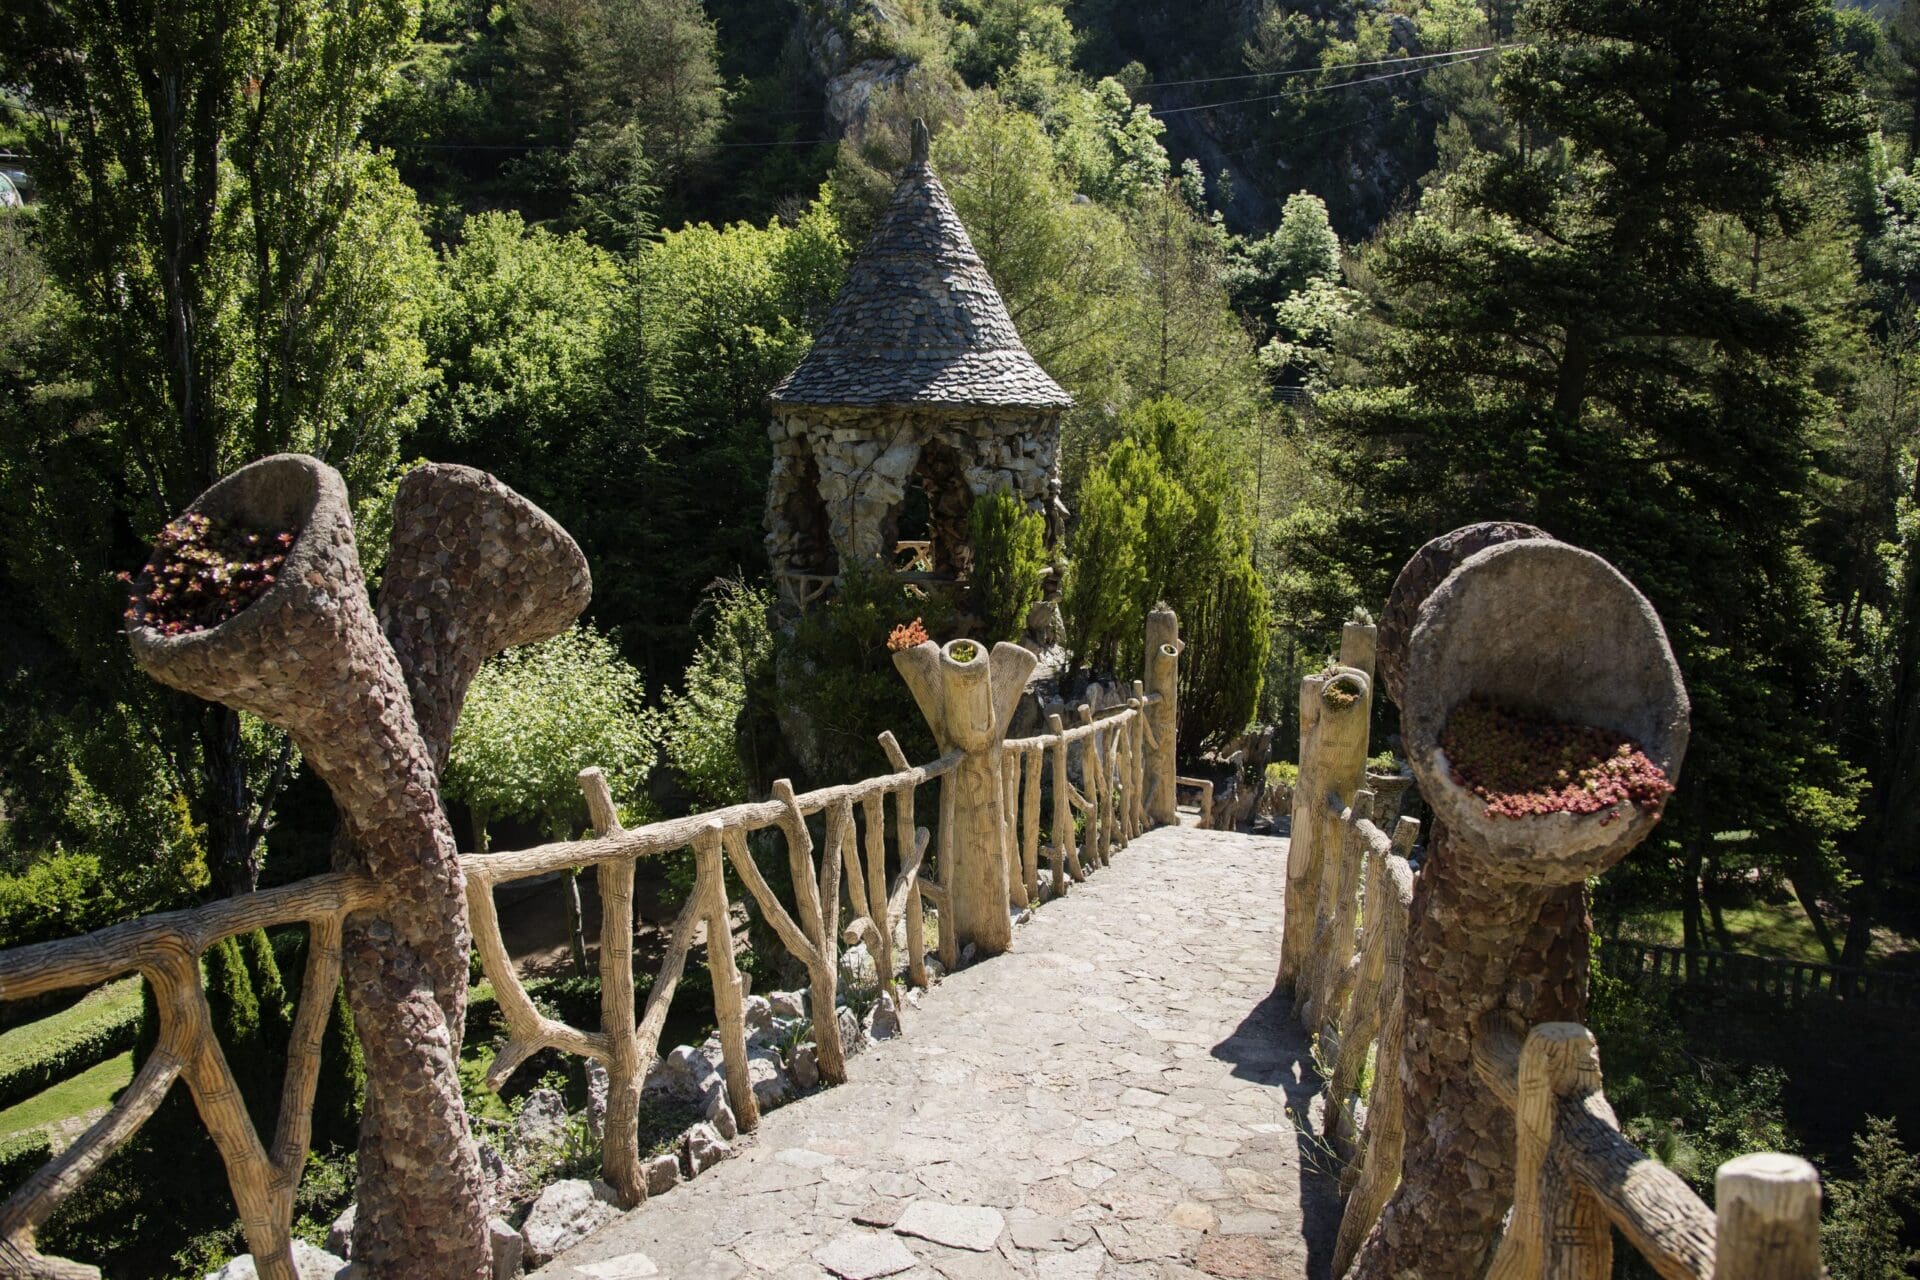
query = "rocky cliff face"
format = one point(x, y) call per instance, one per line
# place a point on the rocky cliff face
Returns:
point(853, 45)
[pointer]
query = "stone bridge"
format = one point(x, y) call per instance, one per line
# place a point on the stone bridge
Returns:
point(1112, 1098)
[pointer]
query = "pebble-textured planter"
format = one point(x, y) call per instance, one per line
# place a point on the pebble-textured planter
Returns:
point(1499, 929)
point(474, 567)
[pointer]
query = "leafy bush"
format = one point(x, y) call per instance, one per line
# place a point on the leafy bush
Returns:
point(1009, 552)
point(700, 729)
point(1227, 623)
point(56, 897)
point(43, 1053)
point(535, 717)
point(1691, 1111)
point(836, 683)
point(20, 1156)
point(1283, 773)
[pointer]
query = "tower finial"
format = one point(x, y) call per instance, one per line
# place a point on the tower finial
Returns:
point(920, 141)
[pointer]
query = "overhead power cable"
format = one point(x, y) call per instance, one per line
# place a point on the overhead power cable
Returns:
point(1345, 66)
point(1320, 88)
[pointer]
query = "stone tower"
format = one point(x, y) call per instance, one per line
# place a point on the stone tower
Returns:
point(916, 381)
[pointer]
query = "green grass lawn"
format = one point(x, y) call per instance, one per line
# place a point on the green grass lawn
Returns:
point(1762, 929)
point(25, 1042)
point(91, 1090)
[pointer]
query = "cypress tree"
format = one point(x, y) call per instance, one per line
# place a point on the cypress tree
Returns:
point(236, 1024)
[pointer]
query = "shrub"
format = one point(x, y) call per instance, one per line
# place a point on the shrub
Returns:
point(700, 728)
point(1159, 520)
point(836, 682)
point(535, 717)
point(20, 1156)
point(56, 897)
point(1691, 1110)
point(1009, 553)
point(1861, 1239)
point(1227, 622)
point(42, 1054)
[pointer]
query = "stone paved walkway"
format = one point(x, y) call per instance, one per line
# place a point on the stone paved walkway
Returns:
point(1111, 1100)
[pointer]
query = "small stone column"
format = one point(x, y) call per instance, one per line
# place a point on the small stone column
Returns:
point(1499, 929)
point(968, 697)
point(1163, 677)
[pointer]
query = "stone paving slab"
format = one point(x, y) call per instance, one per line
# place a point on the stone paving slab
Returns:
point(1108, 1102)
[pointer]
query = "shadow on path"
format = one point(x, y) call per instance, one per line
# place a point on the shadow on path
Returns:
point(1270, 1048)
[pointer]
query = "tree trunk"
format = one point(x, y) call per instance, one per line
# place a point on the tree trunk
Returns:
point(227, 802)
point(1711, 893)
point(1690, 923)
point(1805, 881)
point(576, 929)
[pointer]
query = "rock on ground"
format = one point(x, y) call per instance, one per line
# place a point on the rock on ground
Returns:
point(771, 1084)
point(565, 1214)
point(508, 1249)
point(958, 1226)
point(701, 1149)
point(864, 1255)
point(340, 1234)
point(806, 1066)
point(883, 1023)
point(663, 1173)
point(311, 1263)
point(540, 1125)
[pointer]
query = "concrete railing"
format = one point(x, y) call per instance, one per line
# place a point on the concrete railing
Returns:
point(985, 870)
point(1487, 1146)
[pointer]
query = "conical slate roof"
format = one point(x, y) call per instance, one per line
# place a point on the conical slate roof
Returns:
point(919, 321)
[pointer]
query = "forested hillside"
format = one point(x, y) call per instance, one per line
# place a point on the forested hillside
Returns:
point(1325, 278)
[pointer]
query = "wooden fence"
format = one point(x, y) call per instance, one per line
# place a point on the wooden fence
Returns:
point(1114, 755)
point(1788, 984)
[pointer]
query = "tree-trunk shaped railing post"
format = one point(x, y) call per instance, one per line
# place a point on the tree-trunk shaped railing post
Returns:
point(1336, 707)
point(1093, 775)
point(473, 569)
point(1768, 1219)
point(968, 697)
point(1163, 714)
point(1499, 917)
point(812, 939)
point(1137, 753)
point(1066, 844)
point(910, 847)
point(1557, 1231)
point(620, 1145)
point(729, 998)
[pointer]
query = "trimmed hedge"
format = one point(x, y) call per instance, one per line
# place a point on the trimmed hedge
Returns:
point(42, 1054)
point(20, 1157)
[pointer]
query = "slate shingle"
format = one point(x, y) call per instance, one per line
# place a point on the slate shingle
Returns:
point(919, 321)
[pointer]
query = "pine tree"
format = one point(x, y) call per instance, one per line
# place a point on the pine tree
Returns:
point(1557, 339)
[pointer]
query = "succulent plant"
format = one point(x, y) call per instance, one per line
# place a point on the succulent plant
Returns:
point(1523, 765)
point(906, 636)
point(202, 572)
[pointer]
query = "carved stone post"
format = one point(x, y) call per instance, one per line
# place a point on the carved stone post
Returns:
point(477, 566)
point(1499, 916)
point(968, 698)
point(1163, 677)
